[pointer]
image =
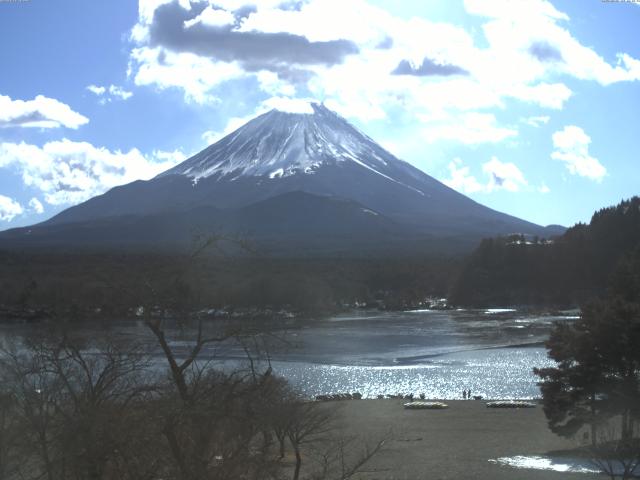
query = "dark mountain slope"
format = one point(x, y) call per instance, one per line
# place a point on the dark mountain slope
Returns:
point(295, 223)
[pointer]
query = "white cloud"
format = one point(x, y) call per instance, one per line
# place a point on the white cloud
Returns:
point(212, 136)
point(108, 94)
point(197, 76)
point(500, 176)
point(515, 10)
point(461, 178)
point(273, 85)
point(290, 105)
point(36, 206)
point(571, 146)
point(279, 103)
point(161, 158)
point(68, 172)
point(526, 53)
point(545, 95)
point(469, 129)
point(503, 176)
point(96, 89)
point(502, 71)
point(543, 188)
point(322, 21)
point(9, 209)
point(514, 27)
point(536, 121)
point(213, 17)
point(146, 9)
point(119, 92)
point(41, 112)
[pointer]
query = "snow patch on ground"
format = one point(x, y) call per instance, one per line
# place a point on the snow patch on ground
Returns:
point(370, 212)
point(535, 462)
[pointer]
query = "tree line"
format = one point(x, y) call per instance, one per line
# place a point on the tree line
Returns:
point(107, 285)
point(564, 271)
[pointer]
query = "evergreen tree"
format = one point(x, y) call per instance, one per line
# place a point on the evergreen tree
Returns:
point(597, 376)
point(571, 391)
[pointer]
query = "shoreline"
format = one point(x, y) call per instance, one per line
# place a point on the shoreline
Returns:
point(11, 314)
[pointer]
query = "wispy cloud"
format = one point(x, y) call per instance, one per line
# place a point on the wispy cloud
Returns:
point(68, 172)
point(428, 68)
point(109, 93)
point(536, 121)
point(468, 129)
point(9, 209)
point(41, 112)
point(36, 206)
point(571, 146)
point(498, 176)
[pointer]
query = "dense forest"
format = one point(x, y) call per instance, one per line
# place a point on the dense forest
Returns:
point(564, 271)
point(42, 285)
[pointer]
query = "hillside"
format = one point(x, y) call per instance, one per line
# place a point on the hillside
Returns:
point(568, 270)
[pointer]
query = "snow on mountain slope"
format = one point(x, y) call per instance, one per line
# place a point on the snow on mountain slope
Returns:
point(279, 144)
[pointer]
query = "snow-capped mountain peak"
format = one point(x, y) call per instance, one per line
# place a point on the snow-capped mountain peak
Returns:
point(279, 144)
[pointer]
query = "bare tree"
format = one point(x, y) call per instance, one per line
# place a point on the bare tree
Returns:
point(8, 434)
point(309, 422)
point(211, 418)
point(34, 393)
point(72, 402)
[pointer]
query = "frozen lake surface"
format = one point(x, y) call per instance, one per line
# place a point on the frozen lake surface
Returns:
point(435, 352)
point(438, 353)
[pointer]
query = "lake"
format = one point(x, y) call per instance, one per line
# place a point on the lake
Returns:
point(435, 352)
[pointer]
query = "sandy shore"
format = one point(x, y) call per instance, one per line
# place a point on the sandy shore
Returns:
point(456, 443)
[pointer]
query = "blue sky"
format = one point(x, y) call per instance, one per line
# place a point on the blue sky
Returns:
point(529, 107)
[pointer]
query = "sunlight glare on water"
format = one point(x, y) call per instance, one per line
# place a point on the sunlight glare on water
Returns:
point(435, 353)
point(496, 374)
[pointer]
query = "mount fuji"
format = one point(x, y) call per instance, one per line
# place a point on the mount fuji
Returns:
point(294, 183)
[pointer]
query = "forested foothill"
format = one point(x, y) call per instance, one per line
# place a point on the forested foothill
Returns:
point(564, 271)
